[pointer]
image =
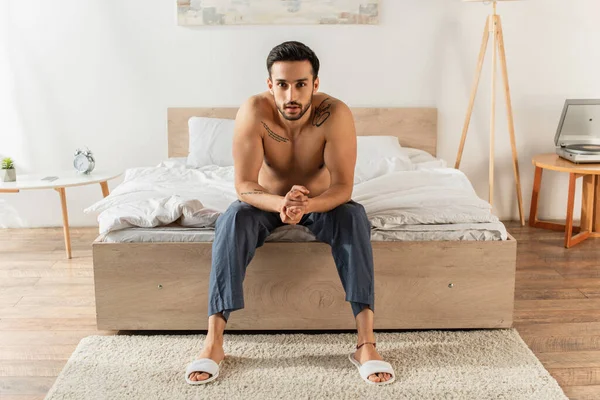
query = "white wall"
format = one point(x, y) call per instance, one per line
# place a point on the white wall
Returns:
point(101, 73)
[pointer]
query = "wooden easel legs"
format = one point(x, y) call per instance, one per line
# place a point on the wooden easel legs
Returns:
point(511, 124)
point(484, 43)
point(494, 26)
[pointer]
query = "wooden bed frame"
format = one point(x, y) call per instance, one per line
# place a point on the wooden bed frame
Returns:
point(295, 286)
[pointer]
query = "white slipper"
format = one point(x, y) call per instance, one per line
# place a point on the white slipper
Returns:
point(202, 365)
point(373, 367)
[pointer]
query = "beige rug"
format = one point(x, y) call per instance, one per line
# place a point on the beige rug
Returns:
point(479, 364)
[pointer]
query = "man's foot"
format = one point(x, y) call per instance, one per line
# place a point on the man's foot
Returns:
point(212, 350)
point(366, 353)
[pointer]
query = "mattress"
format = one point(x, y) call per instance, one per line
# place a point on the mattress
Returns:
point(289, 233)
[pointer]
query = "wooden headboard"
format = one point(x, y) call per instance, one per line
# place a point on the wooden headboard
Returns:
point(414, 127)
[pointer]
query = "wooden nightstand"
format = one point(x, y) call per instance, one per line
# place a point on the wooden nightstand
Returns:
point(590, 200)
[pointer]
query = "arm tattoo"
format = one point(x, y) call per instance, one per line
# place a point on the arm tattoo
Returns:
point(273, 135)
point(321, 113)
point(255, 192)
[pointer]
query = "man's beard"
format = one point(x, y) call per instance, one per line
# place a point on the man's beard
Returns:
point(299, 115)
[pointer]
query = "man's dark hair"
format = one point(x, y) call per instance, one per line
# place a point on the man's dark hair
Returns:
point(293, 51)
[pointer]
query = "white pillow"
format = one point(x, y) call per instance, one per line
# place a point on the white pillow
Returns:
point(211, 142)
point(377, 156)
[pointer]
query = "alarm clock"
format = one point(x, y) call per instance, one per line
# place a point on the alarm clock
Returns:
point(84, 161)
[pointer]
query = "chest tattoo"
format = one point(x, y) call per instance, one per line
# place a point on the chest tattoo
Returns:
point(273, 135)
point(321, 113)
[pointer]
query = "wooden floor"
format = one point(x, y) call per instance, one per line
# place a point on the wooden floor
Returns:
point(47, 306)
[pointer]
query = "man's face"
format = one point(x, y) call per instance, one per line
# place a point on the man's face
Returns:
point(292, 86)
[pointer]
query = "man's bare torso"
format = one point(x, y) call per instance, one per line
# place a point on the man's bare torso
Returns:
point(294, 158)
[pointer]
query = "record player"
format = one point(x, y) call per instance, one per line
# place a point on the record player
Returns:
point(577, 138)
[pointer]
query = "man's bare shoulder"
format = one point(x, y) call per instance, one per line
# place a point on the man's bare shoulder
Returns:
point(329, 110)
point(256, 107)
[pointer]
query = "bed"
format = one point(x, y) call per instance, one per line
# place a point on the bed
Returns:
point(427, 275)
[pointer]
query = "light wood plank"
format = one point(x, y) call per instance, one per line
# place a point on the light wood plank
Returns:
point(71, 301)
point(583, 329)
point(50, 290)
point(592, 271)
point(591, 392)
point(549, 294)
point(32, 254)
point(570, 359)
point(538, 274)
point(23, 396)
point(576, 283)
point(27, 368)
point(567, 304)
point(48, 337)
point(592, 293)
point(15, 264)
point(70, 280)
point(45, 311)
point(48, 324)
point(46, 272)
point(81, 262)
point(16, 283)
point(576, 376)
point(558, 315)
point(550, 344)
point(33, 352)
point(9, 300)
point(25, 385)
point(584, 262)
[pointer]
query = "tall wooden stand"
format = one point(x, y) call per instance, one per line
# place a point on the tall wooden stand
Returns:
point(494, 26)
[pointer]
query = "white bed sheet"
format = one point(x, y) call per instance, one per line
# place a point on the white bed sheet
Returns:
point(172, 202)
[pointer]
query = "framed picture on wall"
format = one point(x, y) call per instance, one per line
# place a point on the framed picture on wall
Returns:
point(265, 12)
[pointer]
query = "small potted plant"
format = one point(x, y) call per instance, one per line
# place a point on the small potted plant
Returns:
point(8, 173)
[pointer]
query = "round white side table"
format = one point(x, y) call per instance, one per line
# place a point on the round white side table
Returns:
point(65, 179)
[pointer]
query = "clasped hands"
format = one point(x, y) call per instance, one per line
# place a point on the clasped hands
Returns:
point(294, 205)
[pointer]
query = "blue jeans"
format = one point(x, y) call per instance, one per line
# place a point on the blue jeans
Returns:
point(243, 228)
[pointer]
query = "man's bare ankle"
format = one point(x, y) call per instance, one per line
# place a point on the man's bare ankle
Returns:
point(214, 340)
point(365, 340)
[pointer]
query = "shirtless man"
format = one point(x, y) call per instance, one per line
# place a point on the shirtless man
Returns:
point(294, 153)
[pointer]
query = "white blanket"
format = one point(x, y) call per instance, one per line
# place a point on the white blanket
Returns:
point(428, 196)
point(172, 192)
